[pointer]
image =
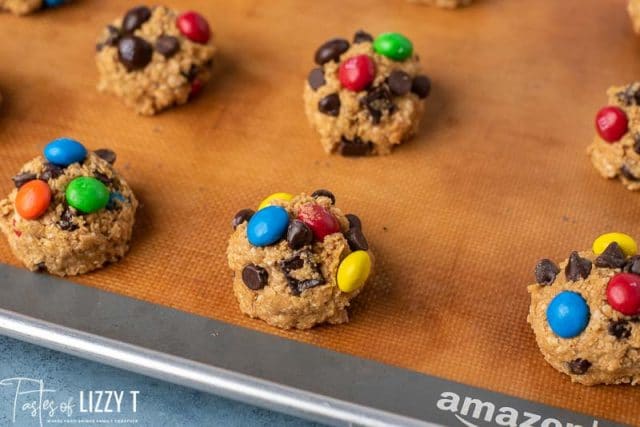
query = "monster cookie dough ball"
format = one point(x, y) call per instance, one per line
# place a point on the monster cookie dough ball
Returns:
point(366, 96)
point(154, 58)
point(23, 7)
point(70, 212)
point(615, 151)
point(449, 4)
point(298, 260)
point(585, 312)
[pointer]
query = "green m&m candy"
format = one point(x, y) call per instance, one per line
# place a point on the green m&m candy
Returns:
point(87, 194)
point(393, 45)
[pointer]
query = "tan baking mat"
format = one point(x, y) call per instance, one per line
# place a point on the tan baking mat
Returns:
point(496, 178)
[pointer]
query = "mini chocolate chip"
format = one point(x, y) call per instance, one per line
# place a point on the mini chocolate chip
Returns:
point(66, 220)
point(357, 241)
point(546, 272)
point(240, 217)
point(291, 264)
point(41, 267)
point(102, 178)
point(632, 265)
point(362, 36)
point(354, 221)
point(134, 52)
point(635, 320)
point(636, 143)
point(626, 172)
point(50, 171)
point(192, 73)
point(134, 18)
point(577, 268)
point(620, 329)
point(331, 51)
point(112, 38)
point(324, 193)
point(399, 82)
point(377, 101)
point(167, 46)
point(330, 105)
point(421, 86)
point(354, 148)
point(299, 234)
point(310, 283)
point(255, 277)
point(612, 257)
point(107, 155)
point(630, 96)
point(22, 178)
point(316, 78)
point(579, 366)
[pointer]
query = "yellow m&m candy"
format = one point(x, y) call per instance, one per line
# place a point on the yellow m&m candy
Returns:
point(275, 196)
point(354, 271)
point(626, 243)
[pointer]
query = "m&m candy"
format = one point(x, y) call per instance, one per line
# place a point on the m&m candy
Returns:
point(626, 243)
point(611, 123)
point(64, 151)
point(357, 72)
point(319, 220)
point(568, 314)
point(275, 196)
point(393, 45)
point(53, 3)
point(87, 194)
point(623, 293)
point(194, 27)
point(354, 271)
point(33, 199)
point(267, 226)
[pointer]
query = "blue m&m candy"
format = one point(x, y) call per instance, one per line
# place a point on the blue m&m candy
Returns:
point(267, 226)
point(64, 151)
point(53, 3)
point(568, 314)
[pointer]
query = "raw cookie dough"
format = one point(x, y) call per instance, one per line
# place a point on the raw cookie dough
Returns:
point(634, 12)
point(61, 239)
point(616, 146)
point(601, 344)
point(24, 7)
point(449, 4)
point(313, 262)
point(154, 58)
point(367, 96)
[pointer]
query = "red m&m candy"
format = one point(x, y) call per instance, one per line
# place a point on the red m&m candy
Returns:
point(319, 220)
point(611, 123)
point(33, 199)
point(623, 293)
point(194, 27)
point(357, 72)
point(196, 88)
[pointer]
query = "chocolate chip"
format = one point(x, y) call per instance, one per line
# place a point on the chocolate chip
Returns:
point(577, 268)
point(331, 51)
point(240, 217)
point(192, 73)
point(50, 171)
point(579, 366)
point(167, 46)
point(107, 155)
point(22, 178)
point(291, 264)
point(632, 265)
point(299, 234)
point(377, 101)
point(630, 96)
point(546, 272)
point(620, 329)
point(612, 257)
point(362, 36)
point(41, 267)
point(102, 178)
point(324, 193)
point(356, 239)
point(134, 53)
point(354, 148)
point(399, 82)
point(421, 86)
point(330, 105)
point(112, 38)
point(354, 221)
point(636, 143)
point(626, 172)
point(311, 283)
point(316, 78)
point(66, 220)
point(134, 18)
point(255, 277)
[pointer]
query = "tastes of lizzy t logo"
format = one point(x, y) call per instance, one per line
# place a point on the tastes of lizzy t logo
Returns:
point(30, 402)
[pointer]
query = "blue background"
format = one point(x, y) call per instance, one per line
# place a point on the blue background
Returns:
point(159, 403)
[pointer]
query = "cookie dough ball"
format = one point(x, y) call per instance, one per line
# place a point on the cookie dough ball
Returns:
point(154, 58)
point(70, 212)
point(298, 261)
point(366, 96)
point(585, 312)
point(448, 4)
point(615, 151)
point(24, 7)
point(634, 13)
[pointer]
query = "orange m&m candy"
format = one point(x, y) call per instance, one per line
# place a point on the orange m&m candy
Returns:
point(33, 199)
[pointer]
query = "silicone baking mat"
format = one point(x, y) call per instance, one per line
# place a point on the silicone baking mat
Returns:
point(496, 178)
